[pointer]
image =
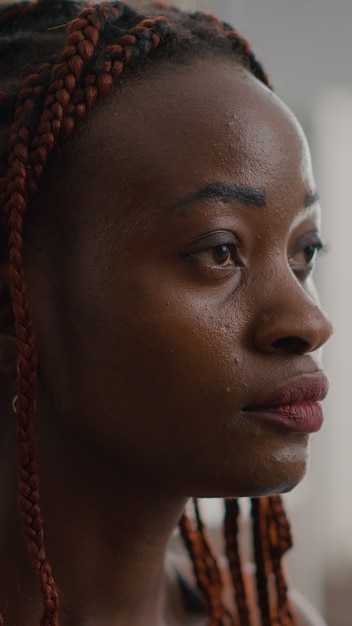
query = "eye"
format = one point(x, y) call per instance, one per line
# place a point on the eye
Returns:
point(221, 255)
point(304, 253)
point(308, 254)
point(216, 251)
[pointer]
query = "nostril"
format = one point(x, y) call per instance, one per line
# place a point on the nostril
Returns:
point(292, 345)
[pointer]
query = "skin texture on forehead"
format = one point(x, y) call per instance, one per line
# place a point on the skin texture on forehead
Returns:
point(125, 313)
point(166, 112)
point(162, 114)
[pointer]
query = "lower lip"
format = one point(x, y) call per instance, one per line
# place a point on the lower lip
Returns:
point(302, 417)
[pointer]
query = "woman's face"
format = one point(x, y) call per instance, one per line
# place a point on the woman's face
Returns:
point(177, 297)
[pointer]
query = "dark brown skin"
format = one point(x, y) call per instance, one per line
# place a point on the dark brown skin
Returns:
point(151, 344)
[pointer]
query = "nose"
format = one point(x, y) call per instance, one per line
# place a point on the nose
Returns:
point(293, 323)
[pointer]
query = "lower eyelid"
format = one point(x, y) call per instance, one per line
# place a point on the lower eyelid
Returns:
point(301, 270)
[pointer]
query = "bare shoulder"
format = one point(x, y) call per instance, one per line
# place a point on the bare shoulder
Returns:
point(306, 613)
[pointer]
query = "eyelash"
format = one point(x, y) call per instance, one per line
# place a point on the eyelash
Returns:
point(315, 248)
point(226, 251)
point(219, 241)
point(213, 244)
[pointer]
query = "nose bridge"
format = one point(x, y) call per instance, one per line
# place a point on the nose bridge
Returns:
point(289, 318)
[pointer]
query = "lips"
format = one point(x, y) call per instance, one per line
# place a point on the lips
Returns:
point(296, 405)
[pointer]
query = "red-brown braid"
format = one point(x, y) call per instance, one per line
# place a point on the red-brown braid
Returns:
point(26, 391)
point(81, 42)
point(280, 542)
point(17, 186)
point(209, 552)
point(15, 208)
point(117, 57)
point(234, 559)
point(242, 47)
point(260, 511)
point(211, 594)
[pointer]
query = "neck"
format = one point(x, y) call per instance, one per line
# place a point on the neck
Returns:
point(105, 534)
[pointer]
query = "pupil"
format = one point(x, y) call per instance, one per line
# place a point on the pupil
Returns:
point(310, 250)
point(222, 253)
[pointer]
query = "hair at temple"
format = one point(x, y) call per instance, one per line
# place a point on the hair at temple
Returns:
point(56, 60)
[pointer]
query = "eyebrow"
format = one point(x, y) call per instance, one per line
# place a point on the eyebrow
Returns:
point(225, 191)
point(229, 191)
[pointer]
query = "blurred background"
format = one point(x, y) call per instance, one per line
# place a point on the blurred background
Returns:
point(306, 46)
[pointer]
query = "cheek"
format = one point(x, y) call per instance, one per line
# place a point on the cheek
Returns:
point(147, 379)
point(176, 361)
point(156, 368)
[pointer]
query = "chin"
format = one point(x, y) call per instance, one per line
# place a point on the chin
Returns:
point(282, 471)
point(279, 475)
point(285, 478)
point(284, 483)
point(285, 486)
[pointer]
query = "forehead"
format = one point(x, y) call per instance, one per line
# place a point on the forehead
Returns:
point(185, 126)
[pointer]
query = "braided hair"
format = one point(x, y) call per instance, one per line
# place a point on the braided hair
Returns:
point(65, 58)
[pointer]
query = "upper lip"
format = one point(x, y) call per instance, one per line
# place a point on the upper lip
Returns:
point(305, 388)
